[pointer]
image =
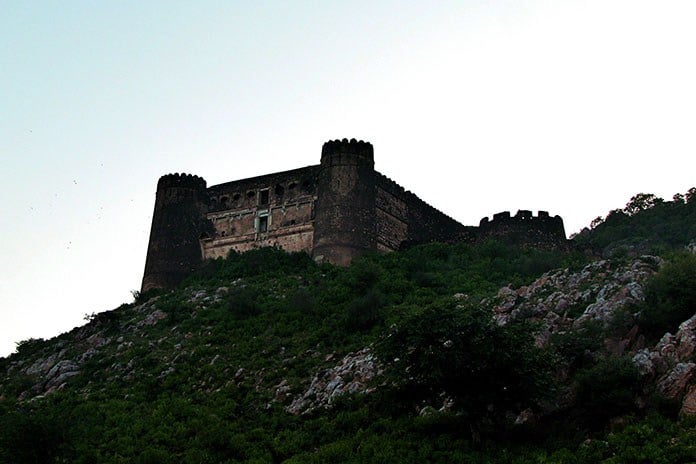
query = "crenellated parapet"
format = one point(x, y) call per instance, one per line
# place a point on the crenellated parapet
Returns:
point(523, 216)
point(425, 223)
point(397, 190)
point(524, 228)
point(346, 151)
point(181, 181)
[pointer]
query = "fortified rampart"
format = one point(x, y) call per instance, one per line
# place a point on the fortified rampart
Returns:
point(335, 211)
point(541, 231)
point(177, 223)
point(344, 225)
point(403, 219)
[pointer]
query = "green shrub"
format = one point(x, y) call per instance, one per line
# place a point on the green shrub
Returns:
point(607, 389)
point(576, 346)
point(29, 437)
point(670, 296)
point(459, 352)
point(364, 312)
point(244, 302)
point(30, 346)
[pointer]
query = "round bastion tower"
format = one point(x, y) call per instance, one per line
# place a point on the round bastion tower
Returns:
point(177, 224)
point(344, 225)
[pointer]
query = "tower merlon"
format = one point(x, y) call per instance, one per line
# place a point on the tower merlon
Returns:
point(349, 152)
point(181, 180)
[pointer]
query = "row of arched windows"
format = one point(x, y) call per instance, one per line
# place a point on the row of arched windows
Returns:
point(262, 197)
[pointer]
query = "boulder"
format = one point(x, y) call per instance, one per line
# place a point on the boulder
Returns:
point(351, 375)
point(675, 383)
point(686, 339)
point(688, 407)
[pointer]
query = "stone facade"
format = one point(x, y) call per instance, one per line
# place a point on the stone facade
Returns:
point(271, 210)
point(335, 211)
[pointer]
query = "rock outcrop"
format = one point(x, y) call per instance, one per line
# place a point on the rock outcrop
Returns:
point(351, 375)
point(670, 365)
point(561, 300)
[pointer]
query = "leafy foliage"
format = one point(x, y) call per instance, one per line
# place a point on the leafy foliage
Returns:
point(608, 389)
point(647, 224)
point(30, 346)
point(202, 374)
point(576, 346)
point(670, 295)
point(450, 351)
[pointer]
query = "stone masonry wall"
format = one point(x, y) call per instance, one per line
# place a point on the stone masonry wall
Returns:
point(336, 211)
point(271, 210)
point(403, 219)
point(177, 223)
point(391, 215)
point(541, 231)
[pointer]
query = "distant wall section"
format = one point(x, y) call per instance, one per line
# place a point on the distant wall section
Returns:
point(540, 231)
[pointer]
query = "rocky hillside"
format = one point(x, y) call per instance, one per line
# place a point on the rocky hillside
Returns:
point(267, 357)
point(610, 293)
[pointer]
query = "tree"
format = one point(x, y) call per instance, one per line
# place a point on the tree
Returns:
point(461, 353)
point(690, 194)
point(596, 221)
point(641, 202)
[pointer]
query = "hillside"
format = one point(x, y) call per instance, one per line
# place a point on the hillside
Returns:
point(647, 224)
point(441, 353)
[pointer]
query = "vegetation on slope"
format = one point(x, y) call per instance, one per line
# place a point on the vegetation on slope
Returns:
point(647, 224)
point(207, 372)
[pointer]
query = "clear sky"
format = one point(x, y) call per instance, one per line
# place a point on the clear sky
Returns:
point(476, 106)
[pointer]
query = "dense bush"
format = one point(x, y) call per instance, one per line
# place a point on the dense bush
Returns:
point(576, 346)
point(607, 389)
point(28, 436)
point(459, 352)
point(670, 296)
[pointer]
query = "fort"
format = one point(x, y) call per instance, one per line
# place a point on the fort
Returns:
point(335, 211)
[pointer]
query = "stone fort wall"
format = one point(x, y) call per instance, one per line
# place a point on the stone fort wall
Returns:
point(335, 211)
point(177, 223)
point(270, 210)
point(541, 231)
point(403, 219)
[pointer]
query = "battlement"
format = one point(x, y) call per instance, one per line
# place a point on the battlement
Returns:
point(397, 190)
point(181, 181)
point(522, 215)
point(542, 230)
point(347, 151)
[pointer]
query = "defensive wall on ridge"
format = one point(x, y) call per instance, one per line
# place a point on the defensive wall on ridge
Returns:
point(541, 231)
point(335, 211)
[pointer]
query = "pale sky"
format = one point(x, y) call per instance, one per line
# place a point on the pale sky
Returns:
point(476, 106)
